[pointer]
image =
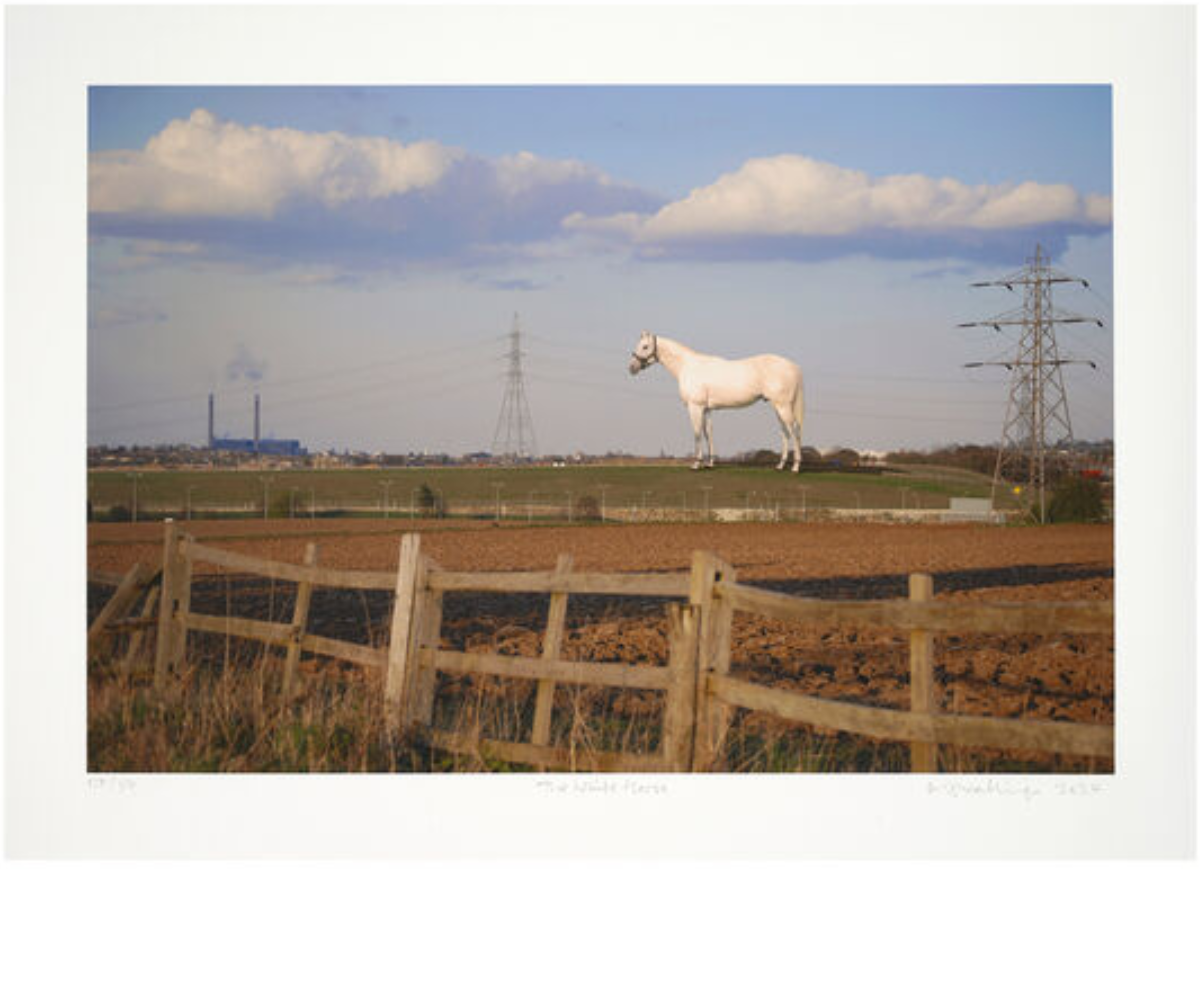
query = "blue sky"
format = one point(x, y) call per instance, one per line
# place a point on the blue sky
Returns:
point(357, 255)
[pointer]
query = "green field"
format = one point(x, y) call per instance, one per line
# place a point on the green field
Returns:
point(475, 490)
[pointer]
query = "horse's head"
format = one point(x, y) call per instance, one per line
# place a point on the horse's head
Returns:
point(645, 354)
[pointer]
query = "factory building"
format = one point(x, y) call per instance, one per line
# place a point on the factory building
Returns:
point(256, 445)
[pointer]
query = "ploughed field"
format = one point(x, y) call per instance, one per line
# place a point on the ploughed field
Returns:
point(1050, 677)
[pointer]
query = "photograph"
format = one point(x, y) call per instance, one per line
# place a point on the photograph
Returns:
point(597, 429)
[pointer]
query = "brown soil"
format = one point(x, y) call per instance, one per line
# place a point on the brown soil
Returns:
point(759, 551)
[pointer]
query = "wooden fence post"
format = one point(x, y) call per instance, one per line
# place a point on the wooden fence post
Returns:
point(679, 716)
point(551, 647)
point(713, 654)
point(174, 603)
point(404, 625)
point(924, 693)
point(299, 621)
point(426, 635)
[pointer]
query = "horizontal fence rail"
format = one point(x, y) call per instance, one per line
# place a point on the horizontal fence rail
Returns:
point(994, 616)
point(620, 675)
point(318, 576)
point(700, 691)
point(282, 634)
point(921, 726)
point(894, 724)
point(546, 582)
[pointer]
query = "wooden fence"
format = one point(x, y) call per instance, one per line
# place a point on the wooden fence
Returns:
point(700, 692)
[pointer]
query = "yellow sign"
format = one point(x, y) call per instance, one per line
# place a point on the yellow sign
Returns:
point(1017, 490)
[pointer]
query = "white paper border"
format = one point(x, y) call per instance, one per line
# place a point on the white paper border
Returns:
point(53, 808)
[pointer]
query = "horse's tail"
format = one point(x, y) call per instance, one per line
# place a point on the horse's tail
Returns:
point(798, 401)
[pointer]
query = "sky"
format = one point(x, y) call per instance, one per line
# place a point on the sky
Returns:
point(357, 257)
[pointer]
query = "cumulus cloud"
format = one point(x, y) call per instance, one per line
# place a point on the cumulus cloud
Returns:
point(789, 196)
point(205, 189)
point(1098, 208)
point(523, 172)
point(286, 197)
point(203, 166)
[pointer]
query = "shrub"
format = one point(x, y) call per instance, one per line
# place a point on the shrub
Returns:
point(1076, 500)
point(588, 509)
point(281, 504)
point(429, 503)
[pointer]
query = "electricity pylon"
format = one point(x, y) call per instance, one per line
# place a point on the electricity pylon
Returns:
point(514, 429)
point(1037, 398)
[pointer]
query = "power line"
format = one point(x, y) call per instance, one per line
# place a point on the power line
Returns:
point(399, 393)
point(823, 411)
point(849, 377)
point(408, 359)
point(1108, 305)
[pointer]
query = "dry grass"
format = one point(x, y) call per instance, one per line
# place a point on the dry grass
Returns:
point(234, 718)
point(226, 712)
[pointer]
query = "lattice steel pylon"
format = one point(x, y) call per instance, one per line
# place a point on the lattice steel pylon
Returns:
point(514, 439)
point(1037, 398)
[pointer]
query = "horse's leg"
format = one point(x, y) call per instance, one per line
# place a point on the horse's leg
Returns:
point(696, 412)
point(783, 433)
point(795, 429)
point(787, 431)
point(708, 434)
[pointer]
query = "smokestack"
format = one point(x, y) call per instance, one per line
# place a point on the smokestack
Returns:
point(256, 409)
point(210, 421)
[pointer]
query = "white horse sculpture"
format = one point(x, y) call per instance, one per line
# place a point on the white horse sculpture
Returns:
point(708, 383)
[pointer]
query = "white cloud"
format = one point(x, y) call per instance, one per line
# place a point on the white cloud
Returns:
point(1099, 208)
point(525, 171)
point(1027, 204)
point(203, 166)
point(205, 189)
point(793, 195)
